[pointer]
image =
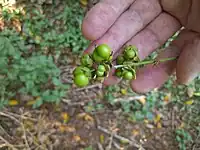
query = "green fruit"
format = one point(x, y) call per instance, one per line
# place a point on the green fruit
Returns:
point(101, 68)
point(78, 70)
point(81, 80)
point(86, 60)
point(87, 71)
point(100, 73)
point(96, 57)
point(128, 75)
point(104, 51)
point(120, 60)
point(118, 73)
point(129, 54)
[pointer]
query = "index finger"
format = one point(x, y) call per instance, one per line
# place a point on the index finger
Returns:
point(101, 17)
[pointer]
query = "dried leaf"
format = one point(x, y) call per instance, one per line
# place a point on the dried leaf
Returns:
point(135, 132)
point(85, 116)
point(31, 102)
point(142, 100)
point(159, 125)
point(69, 129)
point(17, 25)
point(2, 24)
point(146, 121)
point(157, 118)
point(84, 2)
point(76, 138)
point(65, 117)
point(88, 118)
point(62, 128)
point(167, 98)
point(102, 138)
point(13, 102)
point(189, 102)
point(124, 91)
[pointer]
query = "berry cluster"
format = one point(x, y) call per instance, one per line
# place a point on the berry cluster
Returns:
point(124, 69)
point(93, 66)
point(97, 65)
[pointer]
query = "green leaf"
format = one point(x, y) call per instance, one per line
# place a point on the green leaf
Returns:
point(38, 103)
point(56, 81)
point(178, 139)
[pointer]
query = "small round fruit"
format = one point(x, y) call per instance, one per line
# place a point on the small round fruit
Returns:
point(81, 80)
point(101, 68)
point(128, 75)
point(129, 54)
point(78, 70)
point(86, 60)
point(96, 57)
point(118, 73)
point(120, 60)
point(103, 51)
point(100, 73)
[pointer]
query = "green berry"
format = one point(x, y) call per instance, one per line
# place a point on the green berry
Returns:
point(118, 73)
point(96, 57)
point(129, 54)
point(100, 73)
point(120, 60)
point(128, 75)
point(104, 51)
point(86, 60)
point(78, 70)
point(101, 68)
point(81, 80)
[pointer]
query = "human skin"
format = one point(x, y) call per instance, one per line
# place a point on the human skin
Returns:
point(148, 24)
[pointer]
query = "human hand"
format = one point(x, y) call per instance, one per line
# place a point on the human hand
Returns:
point(148, 24)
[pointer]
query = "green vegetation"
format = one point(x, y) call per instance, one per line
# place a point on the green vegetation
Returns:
point(31, 47)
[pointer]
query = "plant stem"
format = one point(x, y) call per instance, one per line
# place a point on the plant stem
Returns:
point(144, 62)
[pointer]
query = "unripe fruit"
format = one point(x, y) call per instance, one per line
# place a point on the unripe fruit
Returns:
point(81, 80)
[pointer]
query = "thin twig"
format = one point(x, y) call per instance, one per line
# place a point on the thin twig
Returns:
point(89, 87)
point(100, 147)
point(70, 103)
point(3, 145)
point(21, 116)
point(5, 131)
point(145, 62)
point(7, 143)
point(119, 137)
point(9, 116)
point(110, 141)
point(25, 137)
point(117, 146)
point(172, 116)
point(129, 99)
point(13, 118)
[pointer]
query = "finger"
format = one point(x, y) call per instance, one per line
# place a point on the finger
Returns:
point(188, 66)
point(154, 35)
point(100, 18)
point(185, 10)
point(151, 77)
point(151, 38)
point(129, 23)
